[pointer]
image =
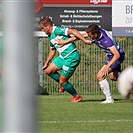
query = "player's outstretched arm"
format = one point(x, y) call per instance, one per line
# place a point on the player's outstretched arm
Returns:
point(72, 39)
point(78, 35)
point(64, 42)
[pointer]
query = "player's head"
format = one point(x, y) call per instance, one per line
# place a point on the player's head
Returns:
point(125, 82)
point(93, 31)
point(46, 24)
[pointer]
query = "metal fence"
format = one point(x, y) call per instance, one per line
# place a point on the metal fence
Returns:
point(84, 78)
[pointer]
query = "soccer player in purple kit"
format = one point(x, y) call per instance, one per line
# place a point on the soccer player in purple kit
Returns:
point(114, 52)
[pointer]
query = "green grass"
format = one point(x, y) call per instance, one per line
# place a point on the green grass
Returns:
point(57, 115)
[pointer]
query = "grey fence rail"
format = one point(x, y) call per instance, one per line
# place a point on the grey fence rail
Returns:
point(84, 78)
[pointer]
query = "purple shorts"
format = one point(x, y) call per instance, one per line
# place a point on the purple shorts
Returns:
point(117, 65)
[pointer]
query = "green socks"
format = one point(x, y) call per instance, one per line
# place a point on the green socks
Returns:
point(68, 86)
point(55, 76)
point(70, 89)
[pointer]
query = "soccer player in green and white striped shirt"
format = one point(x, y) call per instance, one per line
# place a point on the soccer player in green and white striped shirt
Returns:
point(68, 59)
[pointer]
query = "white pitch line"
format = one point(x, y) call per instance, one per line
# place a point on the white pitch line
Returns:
point(84, 121)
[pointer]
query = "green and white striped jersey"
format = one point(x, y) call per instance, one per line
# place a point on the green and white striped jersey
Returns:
point(61, 33)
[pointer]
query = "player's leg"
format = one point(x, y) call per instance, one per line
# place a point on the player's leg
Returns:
point(51, 70)
point(114, 75)
point(70, 89)
point(69, 66)
point(104, 85)
point(67, 85)
point(116, 68)
point(114, 71)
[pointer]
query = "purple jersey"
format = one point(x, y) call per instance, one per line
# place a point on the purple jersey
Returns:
point(106, 41)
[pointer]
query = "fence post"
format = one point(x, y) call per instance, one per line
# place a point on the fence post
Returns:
point(41, 89)
point(40, 64)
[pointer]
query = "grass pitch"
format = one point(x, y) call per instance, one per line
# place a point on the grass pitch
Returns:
point(57, 115)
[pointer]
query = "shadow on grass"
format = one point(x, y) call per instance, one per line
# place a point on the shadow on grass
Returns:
point(115, 99)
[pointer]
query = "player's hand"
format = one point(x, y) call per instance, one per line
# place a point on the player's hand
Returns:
point(88, 42)
point(45, 66)
point(106, 70)
point(61, 42)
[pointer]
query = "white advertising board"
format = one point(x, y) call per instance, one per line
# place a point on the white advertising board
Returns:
point(122, 17)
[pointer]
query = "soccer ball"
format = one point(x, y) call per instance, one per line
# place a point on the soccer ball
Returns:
point(125, 82)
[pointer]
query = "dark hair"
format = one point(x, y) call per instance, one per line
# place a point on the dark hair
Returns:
point(93, 29)
point(46, 21)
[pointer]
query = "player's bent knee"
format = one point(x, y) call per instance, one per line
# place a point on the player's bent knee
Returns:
point(99, 76)
point(47, 72)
